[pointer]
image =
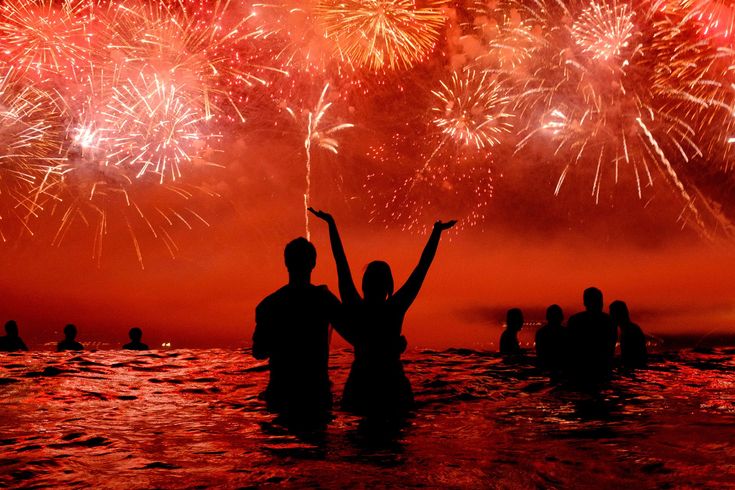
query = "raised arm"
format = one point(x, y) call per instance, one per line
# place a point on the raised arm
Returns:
point(347, 290)
point(408, 292)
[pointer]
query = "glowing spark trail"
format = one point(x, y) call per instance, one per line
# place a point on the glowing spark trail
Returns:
point(323, 138)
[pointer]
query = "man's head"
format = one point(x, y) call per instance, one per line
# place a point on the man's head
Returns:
point(554, 315)
point(300, 256)
point(70, 331)
point(592, 298)
point(135, 334)
point(514, 319)
point(11, 328)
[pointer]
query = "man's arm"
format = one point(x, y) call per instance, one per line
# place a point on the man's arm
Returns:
point(262, 333)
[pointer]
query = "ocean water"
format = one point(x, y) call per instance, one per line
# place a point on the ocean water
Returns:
point(192, 418)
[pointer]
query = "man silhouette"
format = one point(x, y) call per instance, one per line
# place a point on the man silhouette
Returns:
point(292, 332)
point(69, 342)
point(551, 341)
point(135, 335)
point(592, 337)
point(12, 342)
point(509, 345)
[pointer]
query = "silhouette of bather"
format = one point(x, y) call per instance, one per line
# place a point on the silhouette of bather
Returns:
point(11, 342)
point(292, 332)
point(377, 384)
point(509, 338)
point(551, 341)
point(135, 335)
point(69, 342)
point(632, 340)
point(591, 340)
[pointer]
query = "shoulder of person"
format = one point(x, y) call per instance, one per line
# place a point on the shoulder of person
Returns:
point(323, 289)
point(272, 298)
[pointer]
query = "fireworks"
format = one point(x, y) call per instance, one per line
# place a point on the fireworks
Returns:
point(383, 34)
point(45, 37)
point(717, 17)
point(202, 52)
point(451, 181)
point(472, 109)
point(604, 31)
point(30, 129)
point(107, 108)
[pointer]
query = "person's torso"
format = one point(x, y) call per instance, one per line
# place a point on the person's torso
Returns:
point(299, 319)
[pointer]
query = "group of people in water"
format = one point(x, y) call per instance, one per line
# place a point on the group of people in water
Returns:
point(584, 350)
point(11, 341)
point(293, 333)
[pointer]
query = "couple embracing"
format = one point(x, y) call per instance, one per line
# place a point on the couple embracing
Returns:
point(292, 332)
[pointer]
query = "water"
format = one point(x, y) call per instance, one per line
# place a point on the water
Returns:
point(192, 418)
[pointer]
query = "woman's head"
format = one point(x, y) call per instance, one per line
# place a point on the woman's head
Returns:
point(377, 281)
point(619, 312)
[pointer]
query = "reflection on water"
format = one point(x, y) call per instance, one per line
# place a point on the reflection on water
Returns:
point(192, 418)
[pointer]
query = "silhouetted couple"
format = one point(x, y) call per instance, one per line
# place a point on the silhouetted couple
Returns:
point(292, 331)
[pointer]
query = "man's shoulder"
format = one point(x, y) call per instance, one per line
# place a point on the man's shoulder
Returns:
point(275, 297)
point(577, 317)
point(286, 293)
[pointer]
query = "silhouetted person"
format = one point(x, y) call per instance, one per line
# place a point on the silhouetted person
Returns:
point(69, 342)
point(292, 332)
point(377, 384)
point(509, 338)
point(551, 341)
point(11, 342)
point(135, 335)
point(632, 340)
point(592, 337)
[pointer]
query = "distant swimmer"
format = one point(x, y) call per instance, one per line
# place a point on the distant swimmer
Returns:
point(69, 342)
point(551, 340)
point(509, 338)
point(632, 340)
point(11, 342)
point(135, 335)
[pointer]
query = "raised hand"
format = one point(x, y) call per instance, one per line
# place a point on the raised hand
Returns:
point(444, 225)
point(323, 215)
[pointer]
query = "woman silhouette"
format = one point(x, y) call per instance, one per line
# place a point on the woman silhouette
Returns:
point(377, 384)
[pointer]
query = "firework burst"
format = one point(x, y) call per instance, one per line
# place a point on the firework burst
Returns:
point(717, 17)
point(600, 92)
point(31, 131)
point(471, 109)
point(46, 38)
point(201, 50)
point(383, 34)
